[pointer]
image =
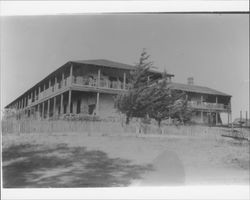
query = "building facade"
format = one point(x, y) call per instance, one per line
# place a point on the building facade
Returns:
point(89, 87)
point(208, 104)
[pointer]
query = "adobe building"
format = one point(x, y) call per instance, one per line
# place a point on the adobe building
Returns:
point(89, 87)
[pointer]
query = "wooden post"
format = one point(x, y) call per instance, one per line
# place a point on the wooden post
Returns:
point(31, 96)
point(216, 118)
point(44, 90)
point(24, 98)
point(39, 91)
point(246, 119)
point(98, 77)
point(38, 109)
point(48, 108)
point(97, 102)
point(62, 82)
point(202, 117)
point(49, 89)
point(61, 106)
point(21, 103)
point(55, 83)
point(71, 75)
point(54, 107)
point(43, 110)
point(124, 80)
point(69, 102)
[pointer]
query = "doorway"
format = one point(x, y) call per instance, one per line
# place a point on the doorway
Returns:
point(91, 109)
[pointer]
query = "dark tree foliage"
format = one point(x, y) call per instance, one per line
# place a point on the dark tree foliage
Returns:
point(180, 110)
point(151, 97)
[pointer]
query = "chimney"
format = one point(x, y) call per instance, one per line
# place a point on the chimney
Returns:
point(190, 80)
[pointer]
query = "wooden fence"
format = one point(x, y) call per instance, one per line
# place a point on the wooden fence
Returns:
point(41, 126)
point(102, 128)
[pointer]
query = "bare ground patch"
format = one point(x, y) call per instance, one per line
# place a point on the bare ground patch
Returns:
point(79, 160)
point(63, 166)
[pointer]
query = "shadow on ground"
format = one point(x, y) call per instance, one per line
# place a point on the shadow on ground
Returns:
point(35, 166)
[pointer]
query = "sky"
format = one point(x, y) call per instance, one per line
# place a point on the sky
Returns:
point(212, 48)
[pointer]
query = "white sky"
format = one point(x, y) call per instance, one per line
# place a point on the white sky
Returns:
point(213, 48)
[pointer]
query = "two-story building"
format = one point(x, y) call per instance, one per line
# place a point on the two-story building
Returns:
point(79, 87)
point(208, 104)
point(89, 87)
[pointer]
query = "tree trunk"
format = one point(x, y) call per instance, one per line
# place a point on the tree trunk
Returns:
point(159, 126)
point(127, 119)
point(159, 123)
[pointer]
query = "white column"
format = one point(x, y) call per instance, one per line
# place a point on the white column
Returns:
point(98, 77)
point(216, 117)
point(49, 89)
point(39, 91)
point(71, 75)
point(22, 103)
point(54, 107)
point(202, 117)
point(24, 98)
point(55, 83)
point(97, 102)
point(43, 110)
point(38, 109)
point(124, 80)
point(31, 96)
point(48, 108)
point(62, 82)
point(69, 101)
point(61, 107)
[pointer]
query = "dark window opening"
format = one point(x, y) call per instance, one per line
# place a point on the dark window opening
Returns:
point(65, 108)
point(91, 109)
point(78, 107)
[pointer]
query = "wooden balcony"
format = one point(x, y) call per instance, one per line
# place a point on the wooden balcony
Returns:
point(78, 81)
point(57, 88)
point(103, 84)
point(208, 106)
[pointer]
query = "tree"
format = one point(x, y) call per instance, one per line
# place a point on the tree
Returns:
point(180, 110)
point(149, 97)
point(132, 103)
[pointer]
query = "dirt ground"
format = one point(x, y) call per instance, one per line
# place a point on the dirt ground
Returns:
point(80, 160)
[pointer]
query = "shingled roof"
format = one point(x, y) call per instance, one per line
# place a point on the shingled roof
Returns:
point(196, 89)
point(113, 64)
point(95, 62)
point(105, 63)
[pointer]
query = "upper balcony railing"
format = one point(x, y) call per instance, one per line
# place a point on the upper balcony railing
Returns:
point(107, 84)
point(209, 106)
point(51, 90)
